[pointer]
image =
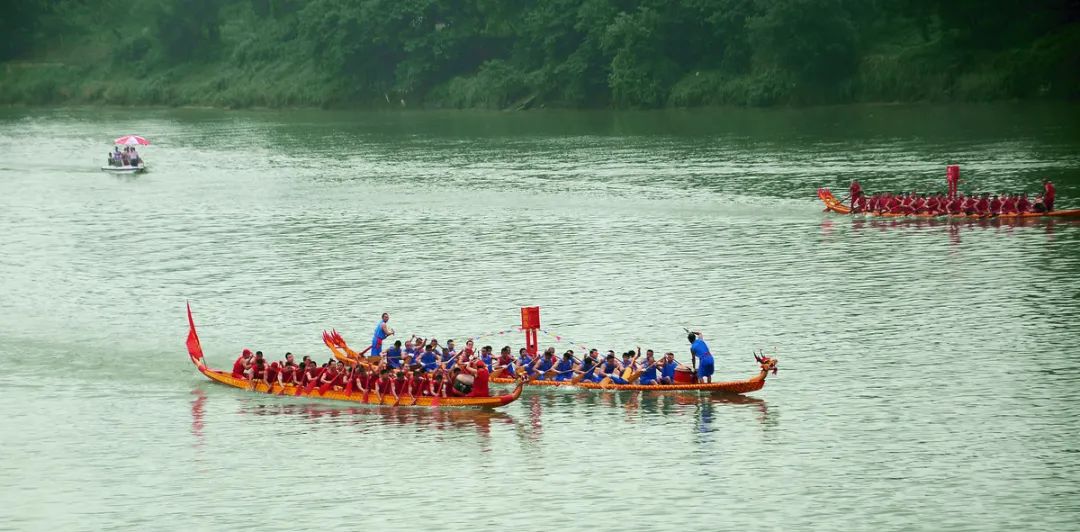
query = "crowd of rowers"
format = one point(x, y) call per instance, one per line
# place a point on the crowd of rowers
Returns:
point(953, 203)
point(423, 368)
point(940, 205)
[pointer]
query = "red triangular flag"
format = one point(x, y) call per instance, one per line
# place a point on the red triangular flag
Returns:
point(193, 346)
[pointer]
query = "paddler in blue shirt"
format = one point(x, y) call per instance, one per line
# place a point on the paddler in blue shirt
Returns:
point(393, 355)
point(701, 352)
point(382, 331)
point(611, 369)
point(525, 363)
point(667, 368)
point(429, 359)
point(546, 363)
point(648, 375)
point(485, 356)
point(564, 370)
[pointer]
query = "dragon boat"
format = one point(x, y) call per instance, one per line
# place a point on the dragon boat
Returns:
point(195, 351)
point(837, 206)
point(684, 377)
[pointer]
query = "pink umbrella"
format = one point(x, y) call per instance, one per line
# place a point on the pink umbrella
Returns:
point(132, 140)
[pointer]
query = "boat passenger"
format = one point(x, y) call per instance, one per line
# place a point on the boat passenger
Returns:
point(995, 205)
point(524, 363)
point(1049, 193)
point(505, 363)
point(257, 369)
point(240, 367)
point(967, 205)
point(667, 368)
point(1023, 204)
point(429, 359)
point(480, 378)
point(485, 356)
point(329, 376)
point(588, 366)
point(564, 370)
point(1008, 204)
point(610, 369)
point(546, 363)
point(273, 373)
point(648, 373)
point(855, 191)
point(982, 205)
point(469, 351)
point(393, 355)
point(919, 204)
point(289, 371)
point(628, 362)
point(133, 157)
point(438, 385)
point(382, 331)
point(700, 351)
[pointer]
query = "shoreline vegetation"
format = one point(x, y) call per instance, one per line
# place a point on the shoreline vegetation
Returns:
point(588, 54)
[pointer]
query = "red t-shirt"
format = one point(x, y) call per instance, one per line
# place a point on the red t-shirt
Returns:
point(238, 368)
point(480, 384)
point(1048, 194)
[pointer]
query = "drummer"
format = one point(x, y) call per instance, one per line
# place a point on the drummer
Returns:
point(477, 372)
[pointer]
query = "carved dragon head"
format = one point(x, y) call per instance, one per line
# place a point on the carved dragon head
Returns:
point(767, 363)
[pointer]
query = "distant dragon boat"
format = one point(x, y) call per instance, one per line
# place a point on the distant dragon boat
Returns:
point(837, 206)
point(194, 348)
point(684, 377)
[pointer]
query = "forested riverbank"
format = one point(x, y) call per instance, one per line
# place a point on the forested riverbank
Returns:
point(563, 53)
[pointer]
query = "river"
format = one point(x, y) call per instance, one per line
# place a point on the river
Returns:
point(929, 372)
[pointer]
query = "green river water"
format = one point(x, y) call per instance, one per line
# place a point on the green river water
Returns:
point(929, 371)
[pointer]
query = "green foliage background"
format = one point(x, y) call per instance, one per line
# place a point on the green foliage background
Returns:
point(528, 53)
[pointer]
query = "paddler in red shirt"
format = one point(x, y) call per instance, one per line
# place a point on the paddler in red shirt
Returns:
point(1048, 195)
point(854, 191)
point(982, 205)
point(1023, 204)
point(1008, 204)
point(257, 372)
point(480, 379)
point(995, 205)
point(273, 373)
point(240, 367)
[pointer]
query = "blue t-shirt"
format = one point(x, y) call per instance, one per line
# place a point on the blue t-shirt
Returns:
point(700, 350)
point(649, 374)
point(393, 357)
point(668, 369)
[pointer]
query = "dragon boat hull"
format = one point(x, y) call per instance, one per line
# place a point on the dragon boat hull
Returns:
point(196, 354)
point(835, 205)
point(752, 384)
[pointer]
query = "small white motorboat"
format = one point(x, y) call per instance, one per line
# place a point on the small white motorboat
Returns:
point(141, 167)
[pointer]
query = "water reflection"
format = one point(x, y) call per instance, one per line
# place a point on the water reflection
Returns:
point(198, 409)
point(430, 418)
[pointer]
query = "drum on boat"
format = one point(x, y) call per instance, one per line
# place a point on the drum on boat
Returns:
point(684, 375)
point(464, 383)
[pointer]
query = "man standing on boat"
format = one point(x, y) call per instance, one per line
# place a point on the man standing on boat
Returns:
point(1048, 195)
point(700, 352)
point(382, 332)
